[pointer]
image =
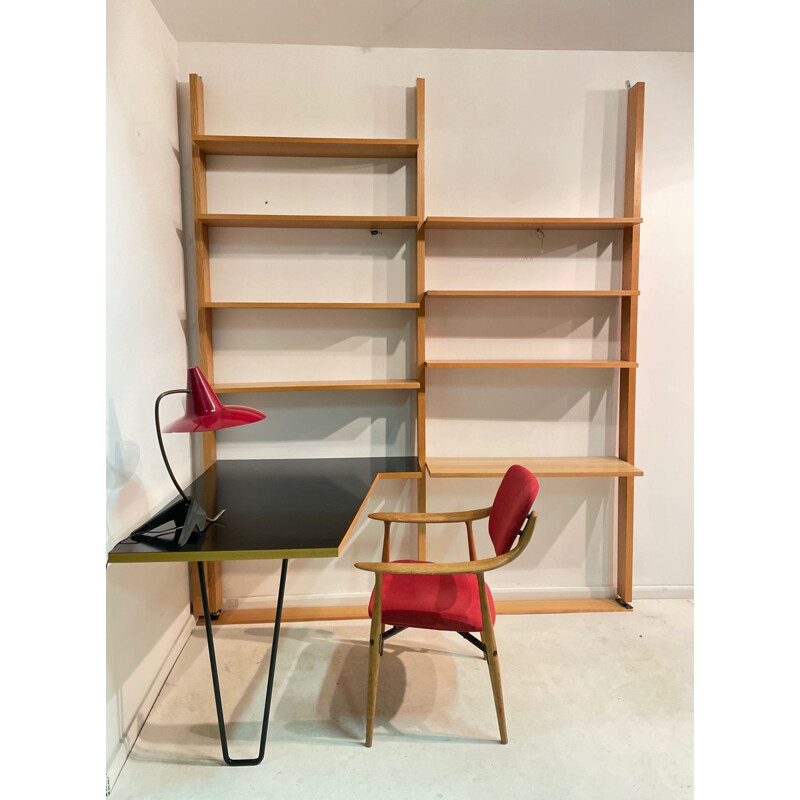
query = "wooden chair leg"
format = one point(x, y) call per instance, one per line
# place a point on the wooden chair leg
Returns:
point(492, 660)
point(385, 557)
point(374, 660)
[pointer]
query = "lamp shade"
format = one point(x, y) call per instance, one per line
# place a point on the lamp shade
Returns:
point(205, 411)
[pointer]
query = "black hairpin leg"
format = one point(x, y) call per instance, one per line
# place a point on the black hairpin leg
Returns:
point(242, 762)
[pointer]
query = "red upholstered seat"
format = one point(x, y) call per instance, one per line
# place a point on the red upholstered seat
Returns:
point(439, 602)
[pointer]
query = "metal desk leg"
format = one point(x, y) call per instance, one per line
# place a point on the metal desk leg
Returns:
point(242, 762)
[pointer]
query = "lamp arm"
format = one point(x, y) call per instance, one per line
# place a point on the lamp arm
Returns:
point(161, 441)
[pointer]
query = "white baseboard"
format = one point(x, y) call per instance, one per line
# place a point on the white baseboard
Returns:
point(114, 767)
point(533, 593)
point(663, 592)
point(256, 602)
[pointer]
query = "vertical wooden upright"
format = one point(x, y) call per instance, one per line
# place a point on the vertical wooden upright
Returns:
point(421, 453)
point(205, 347)
point(202, 271)
point(628, 330)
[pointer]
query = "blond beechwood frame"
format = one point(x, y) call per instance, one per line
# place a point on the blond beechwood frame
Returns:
point(621, 468)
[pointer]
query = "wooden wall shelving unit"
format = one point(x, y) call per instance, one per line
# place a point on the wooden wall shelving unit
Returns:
point(620, 467)
point(203, 145)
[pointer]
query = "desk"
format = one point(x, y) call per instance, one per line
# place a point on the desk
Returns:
point(279, 509)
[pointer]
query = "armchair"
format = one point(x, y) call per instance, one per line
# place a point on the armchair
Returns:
point(452, 596)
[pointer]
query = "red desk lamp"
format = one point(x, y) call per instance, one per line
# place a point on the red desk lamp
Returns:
point(204, 412)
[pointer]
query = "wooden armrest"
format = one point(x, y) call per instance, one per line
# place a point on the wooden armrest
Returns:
point(421, 568)
point(448, 516)
point(453, 568)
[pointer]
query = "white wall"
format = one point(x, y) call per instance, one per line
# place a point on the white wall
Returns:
point(147, 609)
point(509, 133)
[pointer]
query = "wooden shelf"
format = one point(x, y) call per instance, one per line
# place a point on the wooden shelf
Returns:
point(532, 223)
point(555, 605)
point(306, 147)
point(538, 293)
point(309, 305)
point(528, 364)
point(295, 221)
point(545, 467)
point(314, 386)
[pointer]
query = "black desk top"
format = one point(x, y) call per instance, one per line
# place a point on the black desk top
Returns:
point(287, 508)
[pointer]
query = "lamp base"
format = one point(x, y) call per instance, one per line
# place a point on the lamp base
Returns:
point(180, 520)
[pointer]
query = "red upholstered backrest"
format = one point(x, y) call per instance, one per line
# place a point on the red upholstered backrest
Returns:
point(511, 505)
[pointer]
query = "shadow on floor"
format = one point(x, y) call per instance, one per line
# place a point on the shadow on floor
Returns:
point(308, 706)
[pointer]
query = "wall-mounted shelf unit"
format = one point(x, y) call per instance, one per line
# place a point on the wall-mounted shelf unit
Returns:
point(620, 466)
point(203, 145)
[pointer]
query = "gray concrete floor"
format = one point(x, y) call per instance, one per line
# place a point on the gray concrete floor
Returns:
point(598, 706)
